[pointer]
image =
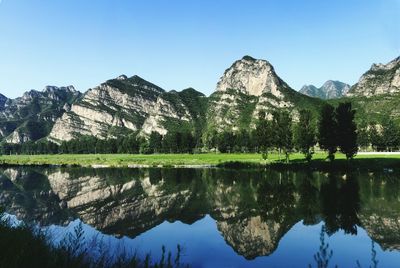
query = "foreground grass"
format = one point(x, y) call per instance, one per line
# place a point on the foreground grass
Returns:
point(27, 246)
point(166, 160)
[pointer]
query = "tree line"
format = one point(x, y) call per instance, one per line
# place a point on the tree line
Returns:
point(333, 130)
point(381, 136)
point(172, 142)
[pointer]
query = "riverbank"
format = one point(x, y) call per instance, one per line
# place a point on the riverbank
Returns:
point(367, 161)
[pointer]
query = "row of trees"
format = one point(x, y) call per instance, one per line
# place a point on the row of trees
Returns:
point(173, 142)
point(383, 136)
point(334, 131)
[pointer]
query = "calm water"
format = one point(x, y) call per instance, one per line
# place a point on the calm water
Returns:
point(221, 218)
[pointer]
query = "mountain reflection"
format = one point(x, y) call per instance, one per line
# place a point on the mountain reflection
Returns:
point(253, 209)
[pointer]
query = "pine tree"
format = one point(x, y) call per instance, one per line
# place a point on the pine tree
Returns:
point(155, 142)
point(263, 134)
point(390, 134)
point(282, 129)
point(327, 131)
point(304, 135)
point(346, 130)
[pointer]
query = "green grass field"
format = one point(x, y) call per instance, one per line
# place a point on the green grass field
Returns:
point(120, 160)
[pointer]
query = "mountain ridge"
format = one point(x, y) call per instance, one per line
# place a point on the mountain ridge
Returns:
point(331, 89)
point(134, 106)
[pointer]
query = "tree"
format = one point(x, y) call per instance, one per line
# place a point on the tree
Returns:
point(242, 141)
point(263, 134)
point(225, 141)
point(282, 129)
point(169, 142)
point(390, 134)
point(374, 135)
point(327, 131)
point(363, 139)
point(346, 129)
point(187, 142)
point(304, 134)
point(155, 142)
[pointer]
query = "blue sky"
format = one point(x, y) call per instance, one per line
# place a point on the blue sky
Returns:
point(179, 43)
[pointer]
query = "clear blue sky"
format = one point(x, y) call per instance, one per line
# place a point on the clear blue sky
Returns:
point(182, 43)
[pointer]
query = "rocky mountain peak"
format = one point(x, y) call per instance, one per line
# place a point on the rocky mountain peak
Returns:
point(122, 77)
point(54, 89)
point(329, 90)
point(3, 100)
point(251, 76)
point(392, 64)
point(380, 79)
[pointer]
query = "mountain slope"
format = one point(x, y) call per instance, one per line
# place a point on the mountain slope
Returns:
point(30, 117)
point(121, 106)
point(248, 87)
point(380, 79)
point(329, 90)
point(377, 94)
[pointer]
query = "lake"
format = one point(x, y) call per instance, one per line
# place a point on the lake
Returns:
point(219, 217)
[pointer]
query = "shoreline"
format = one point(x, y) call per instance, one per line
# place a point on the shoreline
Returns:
point(370, 161)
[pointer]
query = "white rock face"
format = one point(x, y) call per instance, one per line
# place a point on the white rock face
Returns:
point(130, 104)
point(251, 237)
point(158, 113)
point(16, 138)
point(380, 79)
point(101, 108)
point(33, 110)
point(251, 76)
point(246, 88)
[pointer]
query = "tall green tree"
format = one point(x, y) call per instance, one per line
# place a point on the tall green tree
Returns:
point(390, 134)
point(242, 141)
point(375, 137)
point(346, 129)
point(155, 142)
point(304, 134)
point(363, 135)
point(282, 129)
point(327, 131)
point(226, 140)
point(263, 134)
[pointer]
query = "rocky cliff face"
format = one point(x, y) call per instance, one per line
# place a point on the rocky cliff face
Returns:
point(380, 79)
point(329, 90)
point(119, 106)
point(246, 88)
point(31, 116)
point(251, 76)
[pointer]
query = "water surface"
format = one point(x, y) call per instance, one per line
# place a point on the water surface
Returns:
point(221, 217)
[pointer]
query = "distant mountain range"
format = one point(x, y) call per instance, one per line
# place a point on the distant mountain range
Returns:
point(329, 90)
point(123, 106)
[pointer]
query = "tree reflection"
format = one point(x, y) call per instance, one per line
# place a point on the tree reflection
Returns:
point(340, 202)
point(253, 209)
point(324, 255)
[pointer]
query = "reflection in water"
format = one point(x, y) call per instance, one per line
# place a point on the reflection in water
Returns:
point(253, 210)
point(324, 255)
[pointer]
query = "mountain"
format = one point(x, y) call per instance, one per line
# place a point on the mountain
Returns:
point(31, 117)
point(376, 96)
point(128, 105)
point(380, 79)
point(3, 100)
point(329, 90)
point(134, 106)
point(248, 87)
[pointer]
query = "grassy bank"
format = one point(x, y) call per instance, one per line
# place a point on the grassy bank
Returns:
point(212, 159)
